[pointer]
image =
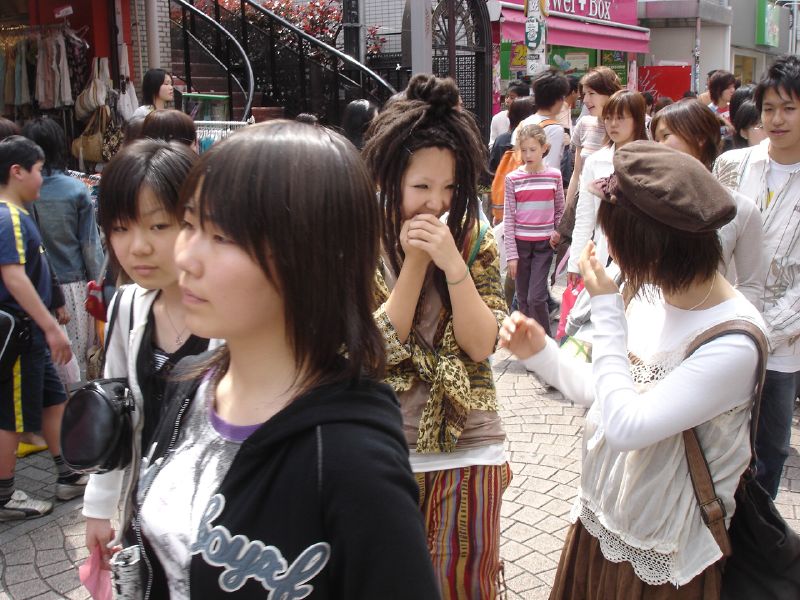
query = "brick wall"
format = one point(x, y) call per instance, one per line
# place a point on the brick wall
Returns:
point(141, 62)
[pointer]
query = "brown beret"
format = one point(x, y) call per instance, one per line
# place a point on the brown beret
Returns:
point(668, 187)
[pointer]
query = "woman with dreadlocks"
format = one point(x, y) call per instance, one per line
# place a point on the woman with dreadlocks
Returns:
point(440, 305)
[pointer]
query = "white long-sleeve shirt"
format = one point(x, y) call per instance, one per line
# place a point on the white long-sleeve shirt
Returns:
point(747, 171)
point(742, 241)
point(635, 492)
point(598, 165)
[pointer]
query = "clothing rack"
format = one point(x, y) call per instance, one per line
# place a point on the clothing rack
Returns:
point(211, 132)
point(226, 125)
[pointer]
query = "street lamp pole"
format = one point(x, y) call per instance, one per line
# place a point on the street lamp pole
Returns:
point(793, 39)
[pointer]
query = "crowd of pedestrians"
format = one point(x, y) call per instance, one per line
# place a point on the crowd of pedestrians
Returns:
point(307, 346)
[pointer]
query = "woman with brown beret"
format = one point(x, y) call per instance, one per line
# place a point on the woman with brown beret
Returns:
point(638, 531)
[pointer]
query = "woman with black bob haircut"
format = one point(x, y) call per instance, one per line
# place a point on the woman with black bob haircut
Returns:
point(157, 90)
point(638, 529)
point(170, 125)
point(147, 334)
point(281, 441)
point(357, 117)
point(66, 219)
point(749, 131)
point(690, 127)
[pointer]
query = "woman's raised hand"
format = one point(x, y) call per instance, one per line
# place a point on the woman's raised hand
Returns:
point(414, 254)
point(595, 278)
point(523, 336)
point(427, 233)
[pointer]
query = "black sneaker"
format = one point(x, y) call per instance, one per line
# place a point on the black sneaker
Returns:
point(21, 506)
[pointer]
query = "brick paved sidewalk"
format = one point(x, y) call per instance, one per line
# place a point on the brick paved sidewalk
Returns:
point(39, 558)
point(544, 442)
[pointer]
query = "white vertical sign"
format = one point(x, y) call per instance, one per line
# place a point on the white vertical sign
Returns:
point(536, 35)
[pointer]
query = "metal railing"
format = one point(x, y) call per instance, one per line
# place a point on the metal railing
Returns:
point(291, 68)
point(218, 44)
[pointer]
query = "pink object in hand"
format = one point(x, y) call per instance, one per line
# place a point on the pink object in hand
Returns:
point(94, 578)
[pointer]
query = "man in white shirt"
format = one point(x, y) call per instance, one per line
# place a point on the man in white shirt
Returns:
point(549, 91)
point(500, 124)
point(770, 174)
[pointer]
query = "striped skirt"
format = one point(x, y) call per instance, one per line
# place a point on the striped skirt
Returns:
point(461, 509)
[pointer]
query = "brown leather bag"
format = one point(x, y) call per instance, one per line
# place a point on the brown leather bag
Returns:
point(762, 552)
point(88, 146)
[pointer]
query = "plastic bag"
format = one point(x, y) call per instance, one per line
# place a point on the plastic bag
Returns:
point(94, 578)
point(567, 302)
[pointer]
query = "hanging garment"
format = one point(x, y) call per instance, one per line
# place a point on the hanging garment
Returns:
point(65, 86)
point(128, 102)
point(52, 63)
point(39, 93)
point(77, 61)
point(2, 80)
point(11, 62)
point(22, 94)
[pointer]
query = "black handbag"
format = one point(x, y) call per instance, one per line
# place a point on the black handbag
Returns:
point(762, 552)
point(15, 339)
point(97, 427)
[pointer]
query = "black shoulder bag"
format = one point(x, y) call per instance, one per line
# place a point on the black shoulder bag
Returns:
point(762, 552)
point(97, 428)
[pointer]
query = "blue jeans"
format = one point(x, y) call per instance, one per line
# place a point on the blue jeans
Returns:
point(775, 428)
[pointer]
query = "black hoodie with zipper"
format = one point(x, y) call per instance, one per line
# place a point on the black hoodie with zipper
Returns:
point(320, 502)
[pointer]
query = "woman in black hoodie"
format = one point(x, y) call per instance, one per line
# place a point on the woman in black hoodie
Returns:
point(280, 469)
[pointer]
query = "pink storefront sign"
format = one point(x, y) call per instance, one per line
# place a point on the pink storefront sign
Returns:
point(565, 31)
point(615, 11)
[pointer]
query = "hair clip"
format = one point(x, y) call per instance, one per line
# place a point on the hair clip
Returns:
point(607, 188)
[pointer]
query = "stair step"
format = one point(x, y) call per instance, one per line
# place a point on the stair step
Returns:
point(199, 69)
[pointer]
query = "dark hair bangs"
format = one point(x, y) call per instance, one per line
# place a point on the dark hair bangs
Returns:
point(300, 202)
point(783, 76)
point(158, 165)
point(632, 103)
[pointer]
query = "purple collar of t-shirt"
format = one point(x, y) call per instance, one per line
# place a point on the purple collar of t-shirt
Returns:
point(228, 431)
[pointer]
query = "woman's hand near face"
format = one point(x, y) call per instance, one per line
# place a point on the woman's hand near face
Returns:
point(523, 336)
point(429, 234)
point(414, 255)
point(595, 278)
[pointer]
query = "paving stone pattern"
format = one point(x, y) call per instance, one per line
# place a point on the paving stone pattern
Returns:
point(39, 558)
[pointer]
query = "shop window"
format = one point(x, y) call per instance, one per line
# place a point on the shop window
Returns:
point(744, 67)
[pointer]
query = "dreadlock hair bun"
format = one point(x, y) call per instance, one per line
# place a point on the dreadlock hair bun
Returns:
point(441, 95)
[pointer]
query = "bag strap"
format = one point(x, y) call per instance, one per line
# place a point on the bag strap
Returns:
point(484, 226)
point(121, 297)
point(712, 509)
point(548, 122)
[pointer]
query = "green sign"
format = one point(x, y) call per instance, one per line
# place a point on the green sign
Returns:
point(616, 61)
point(505, 60)
point(572, 61)
point(767, 23)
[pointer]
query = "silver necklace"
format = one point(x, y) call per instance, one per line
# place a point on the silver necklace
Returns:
point(178, 334)
point(708, 295)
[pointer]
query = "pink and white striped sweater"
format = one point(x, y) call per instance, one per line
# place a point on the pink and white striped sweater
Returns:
point(534, 203)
